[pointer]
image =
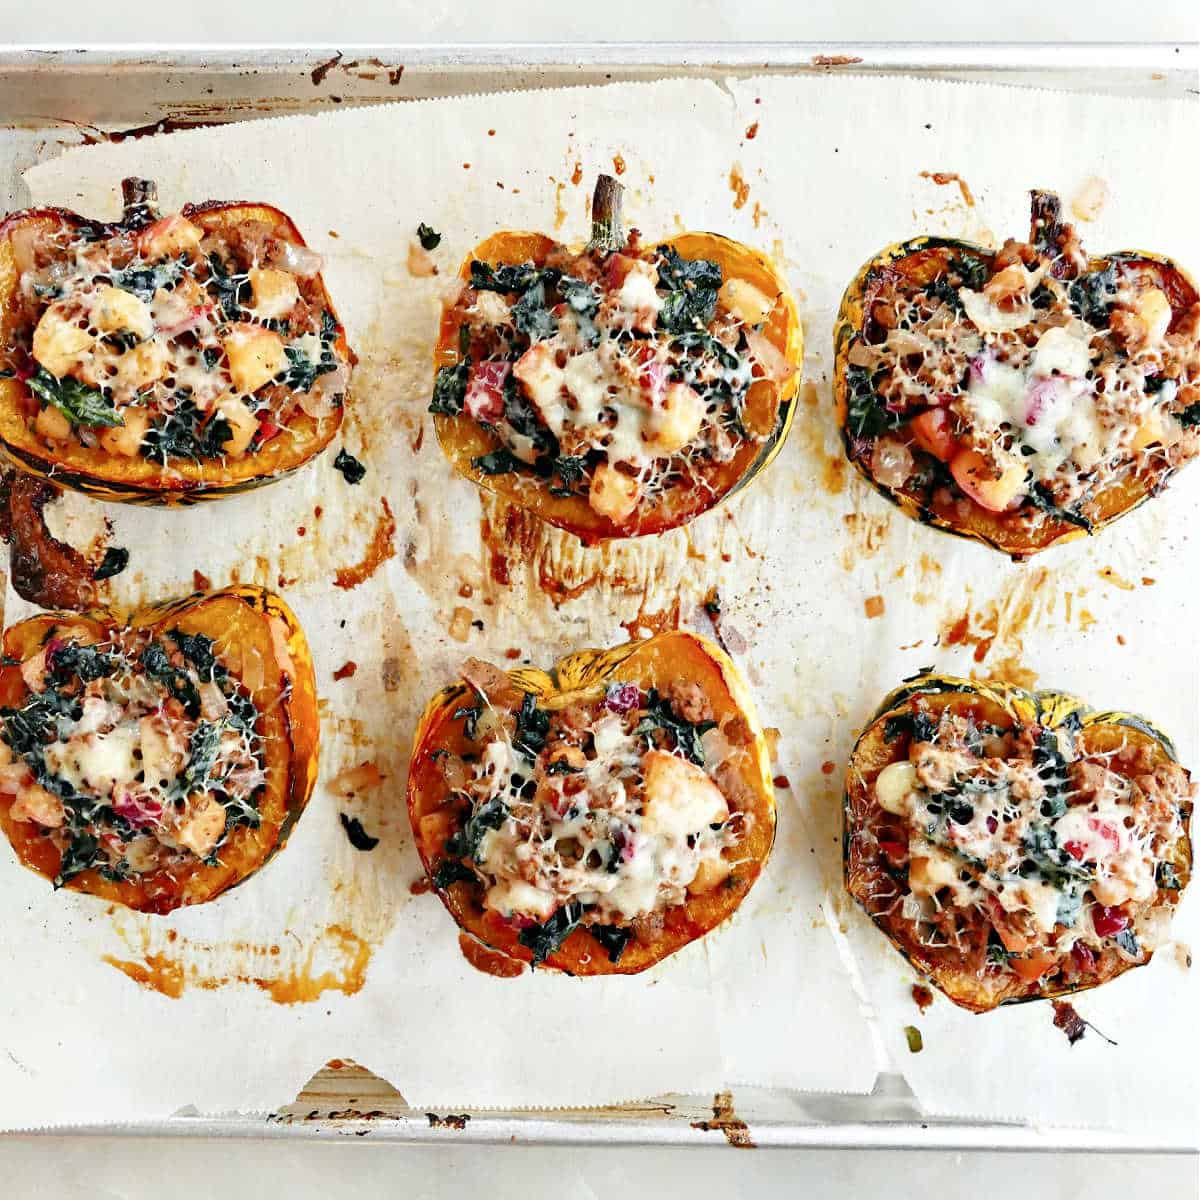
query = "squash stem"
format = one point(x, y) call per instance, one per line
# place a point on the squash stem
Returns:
point(608, 230)
point(140, 200)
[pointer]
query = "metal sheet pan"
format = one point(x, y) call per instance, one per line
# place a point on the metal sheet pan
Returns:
point(51, 99)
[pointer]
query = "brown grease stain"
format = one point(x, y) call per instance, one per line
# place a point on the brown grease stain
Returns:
point(725, 1119)
point(738, 186)
point(488, 961)
point(577, 174)
point(618, 164)
point(865, 537)
point(419, 887)
point(833, 475)
point(381, 548)
point(996, 631)
point(835, 60)
point(645, 625)
point(752, 132)
point(1110, 576)
point(171, 977)
point(560, 213)
point(944, 177)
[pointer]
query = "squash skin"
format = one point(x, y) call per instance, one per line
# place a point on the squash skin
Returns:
point(462, 439)
point(141, 480)
point(1004, 703)
point(242, 616)
point(980, 525)
point(579, 676)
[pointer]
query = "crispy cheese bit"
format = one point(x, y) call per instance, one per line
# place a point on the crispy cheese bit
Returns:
point(613, 494)
point(118, 311)
point(243, 425)
point(169, 237)
point(127, 439)
point(745, 301)
point(255, 355)
point(202, 827)
point(59, 343)
point(275, 292)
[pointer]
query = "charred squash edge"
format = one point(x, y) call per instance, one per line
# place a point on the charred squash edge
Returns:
point(1048, 708)
point(989, 528)
point(583, 675)
point(179, 482)
point(462, 438)
point(295, 698)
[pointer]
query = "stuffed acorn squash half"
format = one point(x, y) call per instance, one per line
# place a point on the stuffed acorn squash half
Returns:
point(156, 760)
point(1015, 845)
point(163, 360)
point(599, 818)
point(615, 389)
point(1021, 397)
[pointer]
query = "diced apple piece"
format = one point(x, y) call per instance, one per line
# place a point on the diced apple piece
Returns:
point(613, 494)
point(275, 292)
point(892, 786)
point(243, 425)
point(933, 431)
point(745, 301)
point(59, 343)
point(118, 311)
point(52, 425)
point(991, 488)
point(146, 363)
point(127, 439)
point(169, 237)
point(680, 797)
point(35, 803)
point(1154, 311)
point(255, 356)
point(542, 379)
point(202, 827)
point(677, 422)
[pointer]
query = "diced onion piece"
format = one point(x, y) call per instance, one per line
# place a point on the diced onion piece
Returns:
point(255, 355)
point(891, 462)
point(771, 360)
point(300, 260)
point(126, 439)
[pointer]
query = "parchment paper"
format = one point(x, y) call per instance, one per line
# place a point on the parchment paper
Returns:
point(799, 990)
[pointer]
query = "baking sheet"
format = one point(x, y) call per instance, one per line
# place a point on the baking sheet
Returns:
point(805, 546)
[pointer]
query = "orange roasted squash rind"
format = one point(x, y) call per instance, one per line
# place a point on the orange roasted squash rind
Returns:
point(463, 439)
point(652, 662)
point(142, 480)
point(259, 638)
point(1001, 704)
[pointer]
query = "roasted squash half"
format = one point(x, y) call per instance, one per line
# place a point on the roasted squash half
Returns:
point(1019, 397)
point(1015, 845)
point(163, 360)
point(597, 818)
point(156, 759)
point(616, 389)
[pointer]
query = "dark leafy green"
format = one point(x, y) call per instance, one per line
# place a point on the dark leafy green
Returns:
point(685, 734)
point(498, 462)
point(1092, 295)
point(546, 938)
point(449, 389)
point(1040, 497)
point(866, 416)
point(86, 663)
point(489, 815)
point(359, 838)
point(115, 560)
point(429, 237)
point(486, 278)
point(692, 285)
point(533, 726)
point(143, 282)
point(352, 470)
point(158, 666)
point(612, 938)
point(449, 871)
point(186, 434)
point(919, 726)
point(81, 405)
point(532, 316)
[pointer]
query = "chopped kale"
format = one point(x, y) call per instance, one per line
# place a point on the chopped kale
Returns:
point(202, 754)
point(157, 665)
point(1052, 771)
point(352, 470)
point(1166, 876)
point(686, 735)
point(918, 725)
point(143, 282)
point(80, 854)
point(1128, 942)
point(533, 725)
point(562, 767)
point(489, 815)
point(569, 469)
point(1047, 860)
point(198, 650)
point(519, 413)
point(85, 663)
point(449, 871)
point(360, 839)
point(580, 296)
point(970, 272)
point(498, 462)
point(694, 339)
point(185, 433)
point(212, 357)
point(429, 237)
point(1092, 295)
point(1070, 902)
point(692, 285)
point(866, 415)
point(449, 389)
point(1040, 497)
point(81, 405)
point(486, 278)
point(115, 560)
point(232, 290)
point(997, 955)
point(612, 938)
point(532, 316)
point(471, 715)
point(1190, 415)
point(546, 938)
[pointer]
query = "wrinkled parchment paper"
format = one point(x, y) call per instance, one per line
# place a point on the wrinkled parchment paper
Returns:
point(799, 990)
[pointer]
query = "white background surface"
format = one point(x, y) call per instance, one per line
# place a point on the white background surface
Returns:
point(111, 1167)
